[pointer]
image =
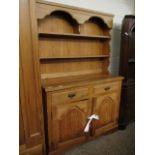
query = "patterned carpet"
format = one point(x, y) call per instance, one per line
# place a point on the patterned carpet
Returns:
point(121, 142)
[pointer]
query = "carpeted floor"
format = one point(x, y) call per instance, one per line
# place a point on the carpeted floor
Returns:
point(121, 142)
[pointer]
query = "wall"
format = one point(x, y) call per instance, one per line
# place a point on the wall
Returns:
point(117, 7)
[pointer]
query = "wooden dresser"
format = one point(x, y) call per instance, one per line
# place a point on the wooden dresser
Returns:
point(72, 54)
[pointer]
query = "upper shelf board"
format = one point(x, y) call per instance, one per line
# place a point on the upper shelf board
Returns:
point(69, 35)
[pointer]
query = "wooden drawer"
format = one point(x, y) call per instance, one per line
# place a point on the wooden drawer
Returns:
point(103, 88)
point(70, 95)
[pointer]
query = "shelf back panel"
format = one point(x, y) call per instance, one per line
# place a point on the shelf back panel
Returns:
point(72, 47)
point(73, 68)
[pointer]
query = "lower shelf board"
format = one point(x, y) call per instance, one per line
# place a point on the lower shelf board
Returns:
point(68, 58)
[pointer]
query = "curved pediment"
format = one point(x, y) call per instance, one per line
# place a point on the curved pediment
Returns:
point(58, 21)
point(94, 26)
point(63, 22)
point(80, 16)
point(98, 20)
point(57, 11)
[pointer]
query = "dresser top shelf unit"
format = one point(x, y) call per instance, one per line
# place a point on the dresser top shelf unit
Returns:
point(73, 42)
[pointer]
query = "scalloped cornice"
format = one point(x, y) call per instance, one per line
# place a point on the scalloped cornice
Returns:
point(81, 16)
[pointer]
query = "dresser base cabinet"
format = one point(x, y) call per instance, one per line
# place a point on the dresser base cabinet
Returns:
point(67, 111)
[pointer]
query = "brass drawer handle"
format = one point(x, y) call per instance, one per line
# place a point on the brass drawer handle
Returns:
point(71, 95)
point(107, 88)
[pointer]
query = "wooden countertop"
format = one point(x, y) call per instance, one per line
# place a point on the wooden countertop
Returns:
point(70, 82)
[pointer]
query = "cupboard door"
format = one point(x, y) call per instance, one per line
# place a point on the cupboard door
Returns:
point(107, 108)
point(69, 121)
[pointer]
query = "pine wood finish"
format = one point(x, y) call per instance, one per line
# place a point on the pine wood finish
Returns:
point(68, 121)
point(107, 107)
point(73, 46)
point(68, 105)
point(72, 42)
point(64, 77)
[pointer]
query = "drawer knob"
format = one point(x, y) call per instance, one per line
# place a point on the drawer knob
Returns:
point(71, 95)
point(107, 88)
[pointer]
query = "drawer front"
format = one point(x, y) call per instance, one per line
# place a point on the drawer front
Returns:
point(70, 95)
point(103, 88)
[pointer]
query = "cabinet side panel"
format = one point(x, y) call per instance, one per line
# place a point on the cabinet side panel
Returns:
point(29, 82)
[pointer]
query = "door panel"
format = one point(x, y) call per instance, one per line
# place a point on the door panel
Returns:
point(106, 106)
point(69, 121)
